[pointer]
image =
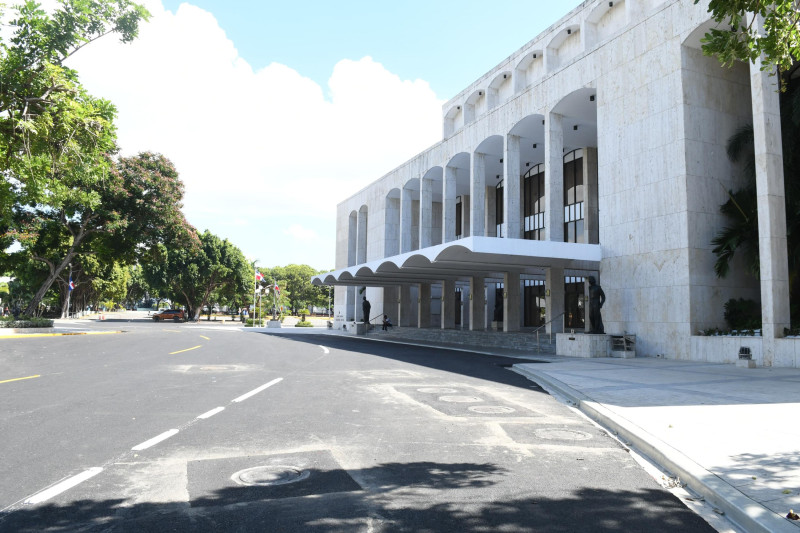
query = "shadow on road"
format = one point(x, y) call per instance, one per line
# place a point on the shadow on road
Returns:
point(476, 365)
point(414, 497)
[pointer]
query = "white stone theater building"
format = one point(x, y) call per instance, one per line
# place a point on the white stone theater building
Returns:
point(597, 149)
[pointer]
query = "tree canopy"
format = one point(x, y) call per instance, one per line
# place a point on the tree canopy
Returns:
point(743, 39)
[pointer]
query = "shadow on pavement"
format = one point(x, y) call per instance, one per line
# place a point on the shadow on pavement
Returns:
point(414, 497)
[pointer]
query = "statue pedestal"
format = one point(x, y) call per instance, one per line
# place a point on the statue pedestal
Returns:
point(361, 328)
point(595, 345)
point(583, 345)
point(497, 325)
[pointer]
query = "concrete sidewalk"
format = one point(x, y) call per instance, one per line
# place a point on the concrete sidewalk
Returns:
point(731, 434)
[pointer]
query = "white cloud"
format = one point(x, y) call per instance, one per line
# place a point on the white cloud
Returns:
point(264, 145)
point(300, 233)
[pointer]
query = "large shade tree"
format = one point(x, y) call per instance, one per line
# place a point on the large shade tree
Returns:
point(134, 206)
point(190, 275)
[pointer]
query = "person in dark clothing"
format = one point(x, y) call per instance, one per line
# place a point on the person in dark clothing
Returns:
point(386, 323)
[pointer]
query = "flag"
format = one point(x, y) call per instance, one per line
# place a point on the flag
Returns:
point(259, 276)
point(277, 290)
point(71, 284)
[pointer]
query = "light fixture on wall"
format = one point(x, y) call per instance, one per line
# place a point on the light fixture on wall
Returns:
point(527, 164)
point(505, 76)
point(569, 31)
point(575, 127)
point(480, 93)
point(611, 4)
point(591, 98)
point(534, 56)
point(459, 108)
point(498, 176)
point(534, 146)
point(501, 159)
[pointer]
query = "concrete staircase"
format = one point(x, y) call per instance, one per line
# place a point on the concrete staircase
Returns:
point(520, 341)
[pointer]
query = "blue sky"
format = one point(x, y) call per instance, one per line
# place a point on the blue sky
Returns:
point(273, 113)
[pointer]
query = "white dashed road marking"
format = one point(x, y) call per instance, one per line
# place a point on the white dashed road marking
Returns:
point(155, 440)
point(324, 349)
point(211, 413)
point(67, 484)
point(253, 392)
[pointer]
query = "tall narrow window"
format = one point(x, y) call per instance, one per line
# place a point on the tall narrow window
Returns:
point(534, 302)
point(533, 200)
point(498, 210)
point(574, 302)
point(573, 197)
point(459, 216)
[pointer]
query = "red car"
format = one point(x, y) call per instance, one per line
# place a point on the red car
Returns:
point(176, 315)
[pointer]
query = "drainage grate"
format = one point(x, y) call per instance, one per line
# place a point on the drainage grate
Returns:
point(269, 476)
point(491, 409)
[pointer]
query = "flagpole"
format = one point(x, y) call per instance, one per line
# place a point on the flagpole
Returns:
point(255, 280)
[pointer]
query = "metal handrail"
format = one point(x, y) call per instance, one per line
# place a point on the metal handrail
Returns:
point(550, 335)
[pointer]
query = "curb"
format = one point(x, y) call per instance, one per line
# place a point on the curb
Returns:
point(739, 509)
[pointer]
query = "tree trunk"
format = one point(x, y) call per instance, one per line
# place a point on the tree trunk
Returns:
point(34, 303)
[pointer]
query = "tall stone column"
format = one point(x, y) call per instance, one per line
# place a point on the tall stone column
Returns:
point(512, 184)
point(591, 222)
point(554, 177)
point(477, 303)
point(406, 205)
point(770, 194)
point(554, 299)
point(449, 203)
point(391, 301)
point(361, 253)
point(448, 316)
point(424, 306)
point(477, 191)
point(425, 213)
point(491, 214)
point(511, 301)
point(466, 215)
point(407, 316)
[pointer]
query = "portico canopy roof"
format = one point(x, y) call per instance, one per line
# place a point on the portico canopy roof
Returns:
point(463, 258)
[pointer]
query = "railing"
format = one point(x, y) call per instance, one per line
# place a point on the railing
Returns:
point(550, 335)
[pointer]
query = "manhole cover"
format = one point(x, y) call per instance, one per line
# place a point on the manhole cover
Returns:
point(561, 434)
point(491, 409)
point(437, 390)
point(460, 399)
point(268, 476)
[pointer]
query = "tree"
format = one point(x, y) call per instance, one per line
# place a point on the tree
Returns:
point(296, 280)
point(37, 88)
point(744, 40)
point(136, 205)
point(189, 275)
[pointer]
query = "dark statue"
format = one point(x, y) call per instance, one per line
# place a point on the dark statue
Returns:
point(596, 300)
point(365, 308)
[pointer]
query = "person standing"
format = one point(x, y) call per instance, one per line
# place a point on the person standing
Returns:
point(596, 300)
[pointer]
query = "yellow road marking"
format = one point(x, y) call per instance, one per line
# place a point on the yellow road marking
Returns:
point(20, 379)
point(186, 350)
point(206, 338)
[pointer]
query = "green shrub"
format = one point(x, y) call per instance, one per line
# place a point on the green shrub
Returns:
point(742, 314)
point(25, 322)
point(250, 322)
point(303, 324)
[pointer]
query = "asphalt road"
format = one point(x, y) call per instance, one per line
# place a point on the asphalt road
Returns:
point(183, 427)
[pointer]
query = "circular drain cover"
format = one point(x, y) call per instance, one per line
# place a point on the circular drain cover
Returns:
point(267, 476)
point(491, 409)
point(460, 399)
point(561, 434)
point(437, 390)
